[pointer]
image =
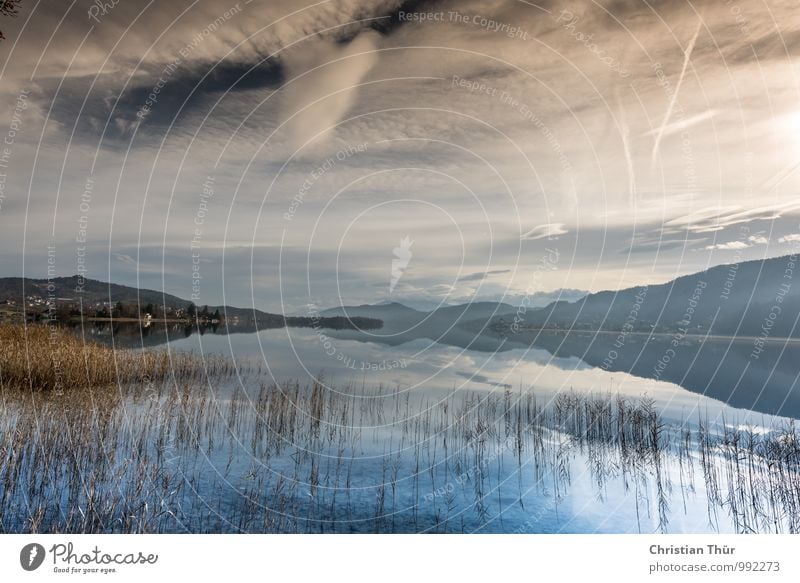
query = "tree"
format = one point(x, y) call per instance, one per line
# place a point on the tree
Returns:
point(216, 315)
point(119, 310)
point(191, 310)
point(8, 8)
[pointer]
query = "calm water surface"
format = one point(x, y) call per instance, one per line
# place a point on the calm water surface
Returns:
point(427, 436)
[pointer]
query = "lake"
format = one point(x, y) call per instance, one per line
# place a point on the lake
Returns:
point(345, 431)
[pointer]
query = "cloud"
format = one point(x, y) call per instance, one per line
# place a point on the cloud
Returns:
point(322, 86)
point(710, 219)
point(546, 231)
point(264, 63)
point(682, 124)
point(481, 275)
point(124, 258)
point(659, 244)
point(782, 176)
point(729, 246)
point(687, 56)
point(793, 238)
point(751, 241)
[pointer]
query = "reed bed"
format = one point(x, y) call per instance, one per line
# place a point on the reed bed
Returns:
point(298, 457)
point(52, 358)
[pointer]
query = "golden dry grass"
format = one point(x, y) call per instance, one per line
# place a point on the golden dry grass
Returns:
point(51, 358)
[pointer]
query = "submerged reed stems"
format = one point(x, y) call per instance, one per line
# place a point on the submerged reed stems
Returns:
point(297, 458)
point(190, 444)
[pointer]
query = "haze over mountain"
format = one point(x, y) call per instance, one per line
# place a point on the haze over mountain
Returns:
point(537, 299)
point(753, 298)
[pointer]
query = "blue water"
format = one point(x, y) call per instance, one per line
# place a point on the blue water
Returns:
point(416, 437)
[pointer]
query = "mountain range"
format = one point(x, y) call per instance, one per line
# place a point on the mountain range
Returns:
point(754, 298)
point(721, 332)
point(750, 299)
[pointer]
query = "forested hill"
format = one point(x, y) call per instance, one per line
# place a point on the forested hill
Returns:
point(753, 298)
point(92, 295)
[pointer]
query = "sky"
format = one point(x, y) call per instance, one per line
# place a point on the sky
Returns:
point(288, 154)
